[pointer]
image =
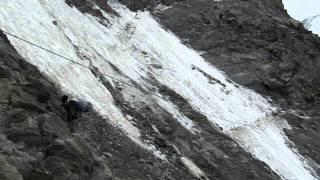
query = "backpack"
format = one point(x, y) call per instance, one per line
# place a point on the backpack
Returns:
point(82, 106)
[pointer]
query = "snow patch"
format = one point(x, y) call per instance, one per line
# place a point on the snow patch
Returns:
point(266, 141)
point(162, 7)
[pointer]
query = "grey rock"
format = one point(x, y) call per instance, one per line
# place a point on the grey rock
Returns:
point(22, 164)
point(101, 173)
point(158, 66)
point(52, 126)
point(20, 145)
point(107, 154)
point(4, 72)
point(39, 156)
point(7, 171)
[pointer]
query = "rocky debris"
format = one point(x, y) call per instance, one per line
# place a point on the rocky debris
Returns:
point(124, 157)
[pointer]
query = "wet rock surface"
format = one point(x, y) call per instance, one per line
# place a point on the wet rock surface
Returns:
point(259, 46)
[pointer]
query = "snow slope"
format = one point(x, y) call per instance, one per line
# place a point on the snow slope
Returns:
point(132, 42)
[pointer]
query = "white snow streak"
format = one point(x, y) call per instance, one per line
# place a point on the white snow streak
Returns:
point(194, 169)
point(133, 42)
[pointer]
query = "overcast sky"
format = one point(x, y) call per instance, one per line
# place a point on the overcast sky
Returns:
point(301, 9)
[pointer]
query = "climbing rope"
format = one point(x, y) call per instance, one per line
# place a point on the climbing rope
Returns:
point(71, 60)
point(118, 80)
point(239, 123)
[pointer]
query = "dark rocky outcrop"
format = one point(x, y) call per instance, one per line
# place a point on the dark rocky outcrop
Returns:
point(86, 6)
point(35, 140)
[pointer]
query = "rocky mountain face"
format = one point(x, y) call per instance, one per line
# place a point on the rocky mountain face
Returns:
point(259, 46)
point(36, 142)
point(254, 42)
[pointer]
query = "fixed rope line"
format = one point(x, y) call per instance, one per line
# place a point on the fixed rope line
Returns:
point(239, 123)
point(73, 61)
point(33, 44)
point(232, 64)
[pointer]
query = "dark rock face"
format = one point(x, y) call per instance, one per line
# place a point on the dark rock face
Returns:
point(275, 61)
point(266, 50)
point(88, 7)
point(35, 140)
point(259, 46)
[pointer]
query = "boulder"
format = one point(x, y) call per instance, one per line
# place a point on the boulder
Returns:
point(52, 126)
point(103, 172)
point(157, 66)
point(21, 99)
point(23, 129)
point(69, 157)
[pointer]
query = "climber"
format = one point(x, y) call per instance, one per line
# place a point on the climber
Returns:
point(74, 109)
